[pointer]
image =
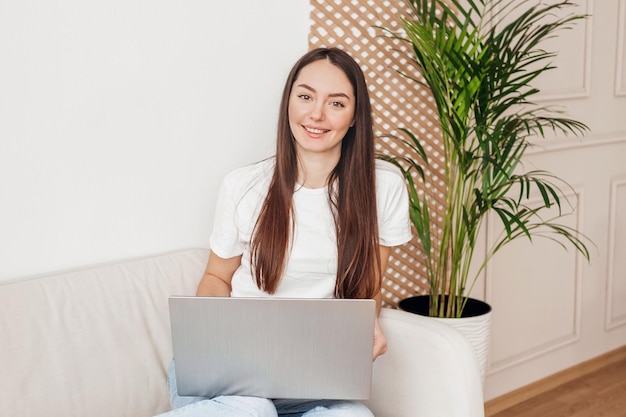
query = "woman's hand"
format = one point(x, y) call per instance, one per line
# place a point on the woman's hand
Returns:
point(380, 341)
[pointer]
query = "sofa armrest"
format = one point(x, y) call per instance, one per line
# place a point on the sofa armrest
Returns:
point(430, 370)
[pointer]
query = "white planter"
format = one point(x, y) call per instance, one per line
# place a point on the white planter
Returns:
point(476, 328)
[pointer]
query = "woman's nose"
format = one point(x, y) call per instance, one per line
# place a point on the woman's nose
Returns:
point(317, 113)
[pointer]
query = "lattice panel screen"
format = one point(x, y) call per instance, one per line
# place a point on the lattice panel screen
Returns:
point(396, 101)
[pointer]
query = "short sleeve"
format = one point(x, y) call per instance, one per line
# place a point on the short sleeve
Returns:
point(224, 240)
point(394, 224)
point(237, 208)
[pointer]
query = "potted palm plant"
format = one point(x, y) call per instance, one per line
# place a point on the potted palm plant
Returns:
point(479, 59)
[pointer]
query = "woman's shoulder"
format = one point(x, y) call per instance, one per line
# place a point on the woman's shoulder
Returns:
point(248, 175)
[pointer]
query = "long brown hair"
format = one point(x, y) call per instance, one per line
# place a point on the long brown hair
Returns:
point(351, 188)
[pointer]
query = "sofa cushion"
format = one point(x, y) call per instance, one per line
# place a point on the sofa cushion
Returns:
point(93, 342)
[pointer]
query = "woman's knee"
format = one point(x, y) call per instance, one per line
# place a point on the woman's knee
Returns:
point(231, 406)
point(248, 406)
point(360, 410)
point(236, 406)
point(340, 409)
point(177, 401)
point(353, 409)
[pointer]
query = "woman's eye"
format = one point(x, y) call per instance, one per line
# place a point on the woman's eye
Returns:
point(337, 104)
point(304, 96)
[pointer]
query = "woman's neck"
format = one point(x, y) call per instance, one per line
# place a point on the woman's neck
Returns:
point(313, 172)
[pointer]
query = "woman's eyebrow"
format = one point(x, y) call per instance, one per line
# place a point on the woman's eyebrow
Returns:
point(308, 87)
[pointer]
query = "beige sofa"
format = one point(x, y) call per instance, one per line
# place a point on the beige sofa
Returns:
point(96, 342)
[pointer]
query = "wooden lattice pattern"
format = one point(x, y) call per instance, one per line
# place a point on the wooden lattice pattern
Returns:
point(352, 25)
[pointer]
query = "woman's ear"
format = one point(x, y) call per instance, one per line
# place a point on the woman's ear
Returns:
point(353, 122)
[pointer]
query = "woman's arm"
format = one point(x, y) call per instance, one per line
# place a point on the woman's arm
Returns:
point(218, 275)
point(380, 341)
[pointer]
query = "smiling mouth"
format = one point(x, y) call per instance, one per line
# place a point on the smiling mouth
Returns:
point(316, 131)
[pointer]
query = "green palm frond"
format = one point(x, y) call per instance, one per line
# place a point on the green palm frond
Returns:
point(479, 59)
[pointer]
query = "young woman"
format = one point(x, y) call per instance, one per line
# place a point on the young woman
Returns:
point(317, 220)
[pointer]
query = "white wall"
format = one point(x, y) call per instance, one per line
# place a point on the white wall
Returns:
point(119, 118)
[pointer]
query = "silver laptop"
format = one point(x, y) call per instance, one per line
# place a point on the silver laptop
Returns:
point(273, 348)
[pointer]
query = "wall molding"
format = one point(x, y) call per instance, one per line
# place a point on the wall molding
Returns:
point(538, 351)
point(620, 65)
point(584, 89)
point(612, 322)
point(543, 146)
point(559, 342)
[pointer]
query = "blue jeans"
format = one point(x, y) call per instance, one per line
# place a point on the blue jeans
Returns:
point(236, 406)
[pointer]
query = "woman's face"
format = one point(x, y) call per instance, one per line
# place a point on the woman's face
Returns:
point(321, 109)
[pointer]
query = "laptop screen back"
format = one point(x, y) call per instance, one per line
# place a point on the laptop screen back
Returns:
point(273, 348)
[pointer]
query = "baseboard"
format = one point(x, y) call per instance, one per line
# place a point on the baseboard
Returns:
point(512, 398)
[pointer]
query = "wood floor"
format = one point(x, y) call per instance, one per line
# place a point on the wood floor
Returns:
point(596, 388)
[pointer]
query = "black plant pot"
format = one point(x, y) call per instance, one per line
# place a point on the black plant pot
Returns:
point(419, 305)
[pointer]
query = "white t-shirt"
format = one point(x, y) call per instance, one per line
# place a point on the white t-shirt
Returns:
point(312, 262)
